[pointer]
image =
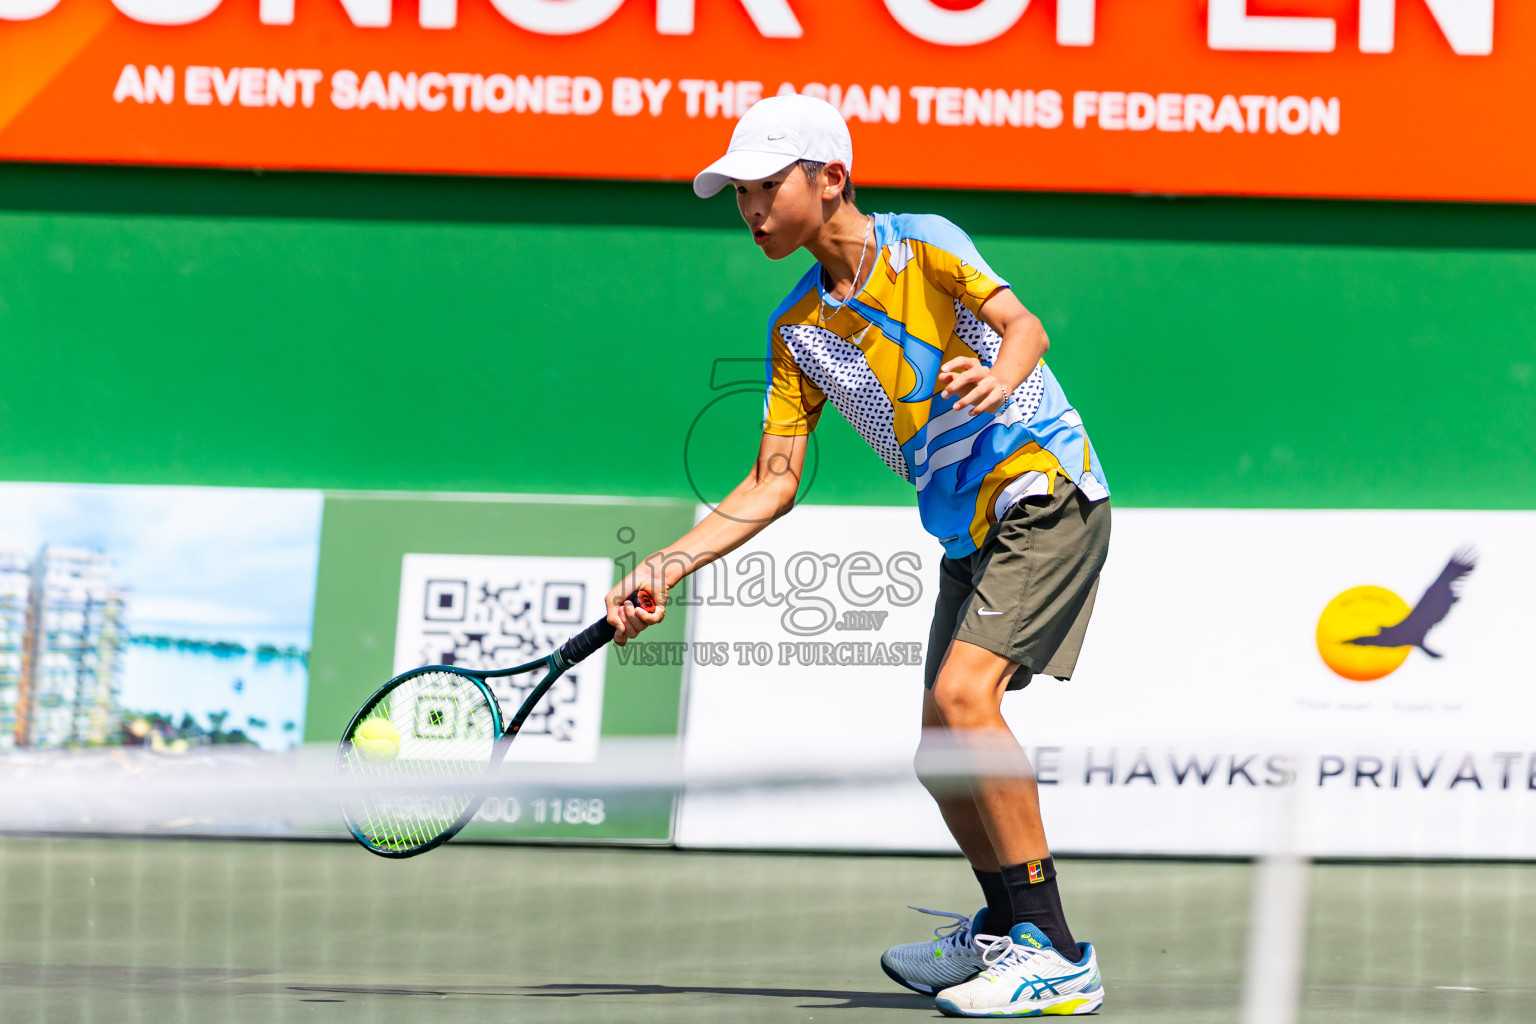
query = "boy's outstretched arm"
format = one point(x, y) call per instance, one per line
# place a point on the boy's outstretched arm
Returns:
point(766, 494)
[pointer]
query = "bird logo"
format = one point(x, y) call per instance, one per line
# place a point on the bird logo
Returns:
point(1368, 632)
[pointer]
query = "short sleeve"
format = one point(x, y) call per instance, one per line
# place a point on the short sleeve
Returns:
point(950, 261)
point(793, 402)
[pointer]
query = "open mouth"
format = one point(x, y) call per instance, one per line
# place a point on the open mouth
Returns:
point(759, 236)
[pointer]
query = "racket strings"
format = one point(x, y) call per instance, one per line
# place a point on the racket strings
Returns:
point(415, 812)
point(419, 758)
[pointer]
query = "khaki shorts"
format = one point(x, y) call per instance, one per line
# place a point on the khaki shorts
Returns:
point(1027, 593)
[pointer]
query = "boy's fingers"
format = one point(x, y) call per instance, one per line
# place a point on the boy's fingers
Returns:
point(969, 377)
point(983, 397)
point(638, 619)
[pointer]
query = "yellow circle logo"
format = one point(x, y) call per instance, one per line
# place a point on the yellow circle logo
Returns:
point(1356, 613)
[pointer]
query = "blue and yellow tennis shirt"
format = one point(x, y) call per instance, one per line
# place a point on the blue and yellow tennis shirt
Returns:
point(876, 357)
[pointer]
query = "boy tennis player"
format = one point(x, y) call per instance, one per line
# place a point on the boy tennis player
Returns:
point(929, 355)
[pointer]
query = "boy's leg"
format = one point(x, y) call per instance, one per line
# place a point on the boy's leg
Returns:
point(1031, 591)
point(985, 674)
point(1024, 596)
point(967, 696)
point(957, 805)
point(951, 956)
point(957, 801)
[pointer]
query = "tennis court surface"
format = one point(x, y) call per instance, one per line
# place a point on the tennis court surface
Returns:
point(208, 930)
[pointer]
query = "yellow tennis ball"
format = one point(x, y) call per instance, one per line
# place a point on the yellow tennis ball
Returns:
point(377, 739)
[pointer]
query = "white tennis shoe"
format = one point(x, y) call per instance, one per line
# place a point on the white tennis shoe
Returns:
point(948, 958)
point(1025, 976)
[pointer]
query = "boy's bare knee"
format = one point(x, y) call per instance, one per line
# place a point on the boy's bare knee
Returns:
point(964, 703)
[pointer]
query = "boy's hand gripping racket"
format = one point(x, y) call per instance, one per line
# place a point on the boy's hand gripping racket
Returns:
point(422, 747)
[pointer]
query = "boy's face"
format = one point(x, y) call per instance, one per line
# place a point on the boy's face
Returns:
point(783, 212)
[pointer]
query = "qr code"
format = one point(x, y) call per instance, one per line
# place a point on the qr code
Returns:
point(498, 611)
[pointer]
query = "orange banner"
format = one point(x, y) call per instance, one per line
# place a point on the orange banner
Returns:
point(1357, 98)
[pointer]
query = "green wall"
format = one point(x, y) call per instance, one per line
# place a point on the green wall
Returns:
point(355, 332)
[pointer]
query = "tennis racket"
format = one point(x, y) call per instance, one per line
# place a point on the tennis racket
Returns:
point(418, 753)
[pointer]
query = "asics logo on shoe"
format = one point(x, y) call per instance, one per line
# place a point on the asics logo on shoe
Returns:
point(1040, 986)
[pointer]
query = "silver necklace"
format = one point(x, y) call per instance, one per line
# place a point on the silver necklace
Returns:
point(853, 288)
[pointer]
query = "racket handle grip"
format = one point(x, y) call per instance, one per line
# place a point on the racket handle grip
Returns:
point(597, 636)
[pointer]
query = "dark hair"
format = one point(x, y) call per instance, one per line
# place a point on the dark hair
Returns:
point(811, 168)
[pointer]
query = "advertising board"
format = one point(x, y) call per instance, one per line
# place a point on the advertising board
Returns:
point(1349, 98)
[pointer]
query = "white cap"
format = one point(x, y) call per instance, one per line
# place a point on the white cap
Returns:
point(775, 133)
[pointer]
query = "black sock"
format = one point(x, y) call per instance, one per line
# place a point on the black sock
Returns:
point(999, 917)
point(1035, 899)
